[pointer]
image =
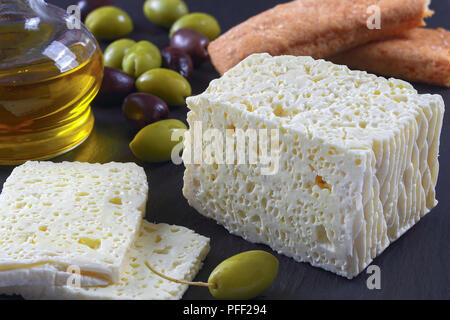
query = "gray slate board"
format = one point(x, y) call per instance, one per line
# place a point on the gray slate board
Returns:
point(417, 266)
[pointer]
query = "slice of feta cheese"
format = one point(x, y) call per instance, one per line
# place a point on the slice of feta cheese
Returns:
point(357, 167)
point(175, 251)
point(55, 216)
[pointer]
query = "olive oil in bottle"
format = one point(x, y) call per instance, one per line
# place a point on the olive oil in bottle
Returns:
point(48, 76)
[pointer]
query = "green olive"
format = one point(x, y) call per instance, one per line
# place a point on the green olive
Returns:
point(115, 52)
point(154, 142)
point(166, 84)
point(165, 12)
point(109, 23)
point(200, 22)
point(141, 57)
point(243, 276)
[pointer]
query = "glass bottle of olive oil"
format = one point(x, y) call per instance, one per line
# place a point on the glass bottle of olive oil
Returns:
point(50, 70)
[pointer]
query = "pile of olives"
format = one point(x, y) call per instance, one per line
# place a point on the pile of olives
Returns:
point(161, 78)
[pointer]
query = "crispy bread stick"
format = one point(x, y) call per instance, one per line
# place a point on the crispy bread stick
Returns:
point(420, 55)
point(317, 28)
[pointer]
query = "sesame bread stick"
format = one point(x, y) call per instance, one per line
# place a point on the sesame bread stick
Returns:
point(317, 28)
point(420, 55)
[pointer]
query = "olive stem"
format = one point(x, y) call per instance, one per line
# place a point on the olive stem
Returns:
point(189, 283)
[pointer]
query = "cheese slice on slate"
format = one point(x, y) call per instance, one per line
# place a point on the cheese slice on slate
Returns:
point(176, 251)
point(56, 215)
point(358, 159)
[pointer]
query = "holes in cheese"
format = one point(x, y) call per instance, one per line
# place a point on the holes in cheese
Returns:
point(322, 183)
point(91, 243)
point(116, 200)
point(68, 210)
point(164, 250)
point(322, 235)
point(357, 165)
point(183, 259)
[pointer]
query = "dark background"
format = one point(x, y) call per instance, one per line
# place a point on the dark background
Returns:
point(417, 266)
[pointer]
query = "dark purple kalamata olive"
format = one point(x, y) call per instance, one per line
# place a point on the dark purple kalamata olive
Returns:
point(141, 109)
point(192, 42)
point(177, 60)
point(86, 6)
point(116, 85)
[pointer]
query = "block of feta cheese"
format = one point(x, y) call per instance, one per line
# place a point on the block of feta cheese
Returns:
point(176, 251)
point(357, 158)
point(55, 217)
